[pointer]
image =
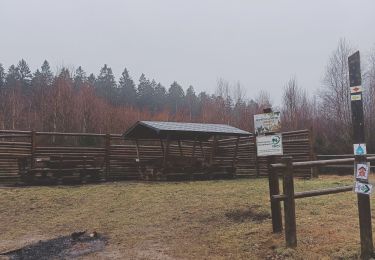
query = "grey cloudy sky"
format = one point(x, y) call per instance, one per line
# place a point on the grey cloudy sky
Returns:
point(259, 43)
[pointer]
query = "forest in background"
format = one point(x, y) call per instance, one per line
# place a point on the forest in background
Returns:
point(75, 101)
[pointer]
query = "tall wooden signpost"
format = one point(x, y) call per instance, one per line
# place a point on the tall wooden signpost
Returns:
point(361, 185)
point(269, 144)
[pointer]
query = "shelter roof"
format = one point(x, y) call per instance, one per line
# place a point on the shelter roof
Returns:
point(180, 131)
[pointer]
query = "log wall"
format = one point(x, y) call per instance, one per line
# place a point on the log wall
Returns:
point(121, 157)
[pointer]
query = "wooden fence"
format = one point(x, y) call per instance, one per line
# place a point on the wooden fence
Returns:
point(121, 157)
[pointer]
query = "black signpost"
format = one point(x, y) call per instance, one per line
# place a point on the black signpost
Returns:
point(364, 208)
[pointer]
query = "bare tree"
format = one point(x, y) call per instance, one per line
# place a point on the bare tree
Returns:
point(335, 98)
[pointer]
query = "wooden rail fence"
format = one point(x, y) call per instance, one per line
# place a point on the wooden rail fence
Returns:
point(120, 156)
point(286, 169)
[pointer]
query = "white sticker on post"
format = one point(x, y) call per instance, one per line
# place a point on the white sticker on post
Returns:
point(356, 97)
point(359, 149)
point(356, 89)
point(362, 188)
point(362, 170)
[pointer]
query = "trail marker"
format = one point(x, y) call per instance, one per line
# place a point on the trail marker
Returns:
point(362, 188)
point(355, 90)
point(362, 170)
point(359, 149)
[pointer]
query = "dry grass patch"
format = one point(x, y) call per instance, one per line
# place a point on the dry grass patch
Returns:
point(226, 219)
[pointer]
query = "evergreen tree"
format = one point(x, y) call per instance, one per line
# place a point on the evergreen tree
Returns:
point(79, 77)
point(106, 79)
point(13, 76)
point(128, 92)
point(160, 97)
point(91, 79)
point(191, 102)
point(24, 73)
point(2, 76)
point(106, 84)
point(145, 93)
point(175, 97)
point(46, 73)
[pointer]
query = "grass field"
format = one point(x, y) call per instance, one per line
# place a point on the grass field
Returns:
point(226, 219)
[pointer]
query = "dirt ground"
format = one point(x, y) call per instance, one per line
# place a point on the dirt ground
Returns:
point(225, 219)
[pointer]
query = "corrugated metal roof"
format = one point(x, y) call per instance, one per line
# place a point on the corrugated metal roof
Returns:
point(194, 127)
point(152, 129)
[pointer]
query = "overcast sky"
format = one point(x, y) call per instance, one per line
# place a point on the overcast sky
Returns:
point(259, 43)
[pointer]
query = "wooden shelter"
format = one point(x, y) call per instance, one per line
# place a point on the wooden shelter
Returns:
point(185, 148)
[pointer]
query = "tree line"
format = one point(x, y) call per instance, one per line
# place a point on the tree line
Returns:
point(74, 101)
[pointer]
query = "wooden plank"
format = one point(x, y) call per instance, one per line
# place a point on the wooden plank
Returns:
point(289, 205)
point(273, 182)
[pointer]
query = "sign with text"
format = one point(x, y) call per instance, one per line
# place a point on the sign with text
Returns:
point(363, 188)
point(267, 123)
point(269, 145)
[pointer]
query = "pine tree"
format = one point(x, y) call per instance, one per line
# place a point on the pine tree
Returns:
point(175, 97)
point(106, 84)
point(160, 97)
point(191, 102)
point(2, 76)
point(79, 77)
point(128, 93)
point(24, 73)
point(91, 79)
point(145, 93)
point(46, 73)
point(12, 77)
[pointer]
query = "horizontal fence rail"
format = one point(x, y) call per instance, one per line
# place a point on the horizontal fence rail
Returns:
point(123, 159)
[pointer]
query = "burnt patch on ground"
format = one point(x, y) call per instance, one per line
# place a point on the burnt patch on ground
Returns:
point(64, 247)
point(252, 213)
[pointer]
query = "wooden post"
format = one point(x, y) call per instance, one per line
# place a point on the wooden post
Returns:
point(33, 148)
point(273, 180)
point(107, 155)
point(256, 158)
point(180, 148)
point(166, 153)
point(314, 169)
point(236, 152)
point(213, 150)
point(364, 208)
point(289, 204)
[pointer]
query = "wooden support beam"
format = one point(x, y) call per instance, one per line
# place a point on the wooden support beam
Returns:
point(364, 208)
point(180, 148)
point(313, 193)
point(33, 148)
point(166, 153)
point(162, 147)
point(235, 152)
point(273, 181)
point(107, 155)
point(289, 205)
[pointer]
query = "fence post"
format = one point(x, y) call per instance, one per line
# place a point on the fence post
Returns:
point(33, 148)
point(257, 174)
point(107, 154)
point(364, 207)
point(289, 204)
point(273, 180)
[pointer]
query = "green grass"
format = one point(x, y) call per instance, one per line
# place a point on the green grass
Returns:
point(226, 219)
